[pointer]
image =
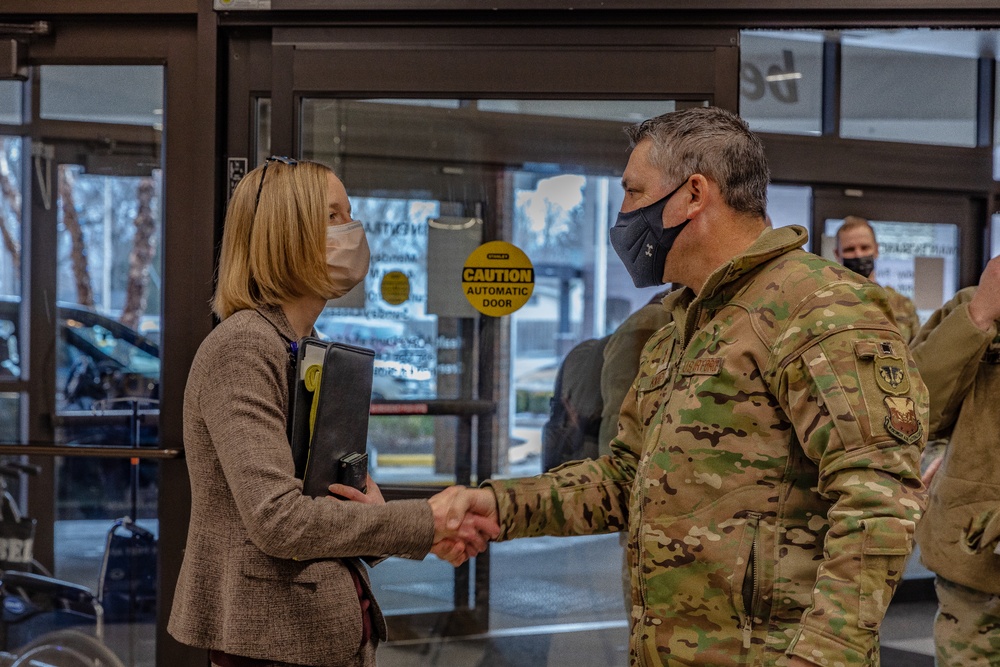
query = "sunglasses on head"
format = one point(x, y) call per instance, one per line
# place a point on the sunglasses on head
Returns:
point(260, 186)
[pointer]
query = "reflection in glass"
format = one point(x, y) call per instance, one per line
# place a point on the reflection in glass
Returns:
point(781, 81)
point(11, 202)
point(108, 359)
point(120, 94)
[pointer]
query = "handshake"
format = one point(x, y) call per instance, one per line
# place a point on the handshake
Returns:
point(465, 520)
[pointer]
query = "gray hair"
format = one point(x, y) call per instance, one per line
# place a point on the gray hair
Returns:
point(712, 142)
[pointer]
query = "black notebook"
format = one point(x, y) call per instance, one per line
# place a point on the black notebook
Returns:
point(330, 395)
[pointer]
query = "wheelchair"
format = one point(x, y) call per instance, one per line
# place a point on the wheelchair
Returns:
point(44, 621)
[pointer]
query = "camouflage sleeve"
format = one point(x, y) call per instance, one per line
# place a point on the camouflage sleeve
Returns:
point(858, 407)
point(578, 498)
point(947, 351)
point(582, 497)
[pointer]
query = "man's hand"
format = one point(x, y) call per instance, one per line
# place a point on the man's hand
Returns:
point(464, 522)
point(371, 496)
point(984, 309)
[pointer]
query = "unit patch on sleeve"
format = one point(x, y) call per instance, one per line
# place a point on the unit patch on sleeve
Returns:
point(902, 422)
point(890, 371)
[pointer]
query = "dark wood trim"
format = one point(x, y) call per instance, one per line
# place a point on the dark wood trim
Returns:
point(38, 8)
point(985, 100)
point(194, 177)
point(830, 106)
point(857, 163)
point(641, 5)
point(94, 452)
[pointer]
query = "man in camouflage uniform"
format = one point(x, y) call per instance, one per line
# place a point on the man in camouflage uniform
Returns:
point(857, 249)
point(766, 465)
point(958, 354)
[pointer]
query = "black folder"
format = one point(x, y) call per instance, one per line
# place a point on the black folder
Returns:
point(334, 381)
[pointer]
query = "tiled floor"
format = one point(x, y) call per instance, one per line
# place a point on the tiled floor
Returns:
point(906, 641)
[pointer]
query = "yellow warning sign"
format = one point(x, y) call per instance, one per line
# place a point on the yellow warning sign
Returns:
point(395, 287)
point(498, 278)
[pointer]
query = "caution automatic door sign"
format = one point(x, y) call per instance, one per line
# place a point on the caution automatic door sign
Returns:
point(498, 278)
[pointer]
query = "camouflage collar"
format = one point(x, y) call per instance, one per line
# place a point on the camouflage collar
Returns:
point(770, 244)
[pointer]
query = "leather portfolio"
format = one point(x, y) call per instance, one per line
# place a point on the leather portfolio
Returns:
point(330, 398)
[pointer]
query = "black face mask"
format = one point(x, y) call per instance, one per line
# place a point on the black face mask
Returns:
point(863, 265)
point(642, 243)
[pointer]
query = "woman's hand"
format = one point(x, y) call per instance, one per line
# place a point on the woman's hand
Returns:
point(371, 496)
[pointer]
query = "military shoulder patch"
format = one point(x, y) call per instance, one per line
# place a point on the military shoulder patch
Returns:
point(902, 422)
point(890, 374)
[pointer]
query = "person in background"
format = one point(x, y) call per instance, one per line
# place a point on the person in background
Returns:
point(766, 465)
point(958, 354)
point(273, 577)
point(857, 249)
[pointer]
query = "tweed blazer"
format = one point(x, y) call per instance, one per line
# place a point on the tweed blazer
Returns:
point(266, 570)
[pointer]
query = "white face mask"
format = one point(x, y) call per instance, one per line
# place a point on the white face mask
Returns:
point(347, 256)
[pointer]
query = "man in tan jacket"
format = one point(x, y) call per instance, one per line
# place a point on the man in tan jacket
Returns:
point(958, 354)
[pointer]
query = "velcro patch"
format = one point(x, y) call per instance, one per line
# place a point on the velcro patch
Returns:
point(902, 422)
point(891, 376)
point(703, 366)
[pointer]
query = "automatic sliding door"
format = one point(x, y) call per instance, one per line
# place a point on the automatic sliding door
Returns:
point(490, 134)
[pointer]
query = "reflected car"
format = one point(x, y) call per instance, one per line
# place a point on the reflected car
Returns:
point(107, 376)
point(398, 381)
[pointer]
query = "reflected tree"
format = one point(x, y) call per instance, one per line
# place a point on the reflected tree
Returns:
point(78, 247)
point(141, 256)
point(13, 200)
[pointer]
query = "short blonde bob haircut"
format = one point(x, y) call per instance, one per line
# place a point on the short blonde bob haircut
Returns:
point(278, 252)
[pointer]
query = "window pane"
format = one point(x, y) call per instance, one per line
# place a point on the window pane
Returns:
point(10, 265)
point(632, 111)
point(10, 412)
point(11, 155)
point(781, 81)
point(431, 180)
point(123, 94)
point(10, 102)
point(790, 205)
point(99, 548)
point(907, 96)
point(108, 363)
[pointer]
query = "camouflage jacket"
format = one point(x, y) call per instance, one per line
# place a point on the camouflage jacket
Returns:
point(958, 537)
point(904, 311)
point(766, 468)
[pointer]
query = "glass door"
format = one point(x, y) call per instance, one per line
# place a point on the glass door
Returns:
point(81, 284)
point(449, 139)
point(927, 246)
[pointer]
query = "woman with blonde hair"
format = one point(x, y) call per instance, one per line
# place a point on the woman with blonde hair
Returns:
point(273, 577)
